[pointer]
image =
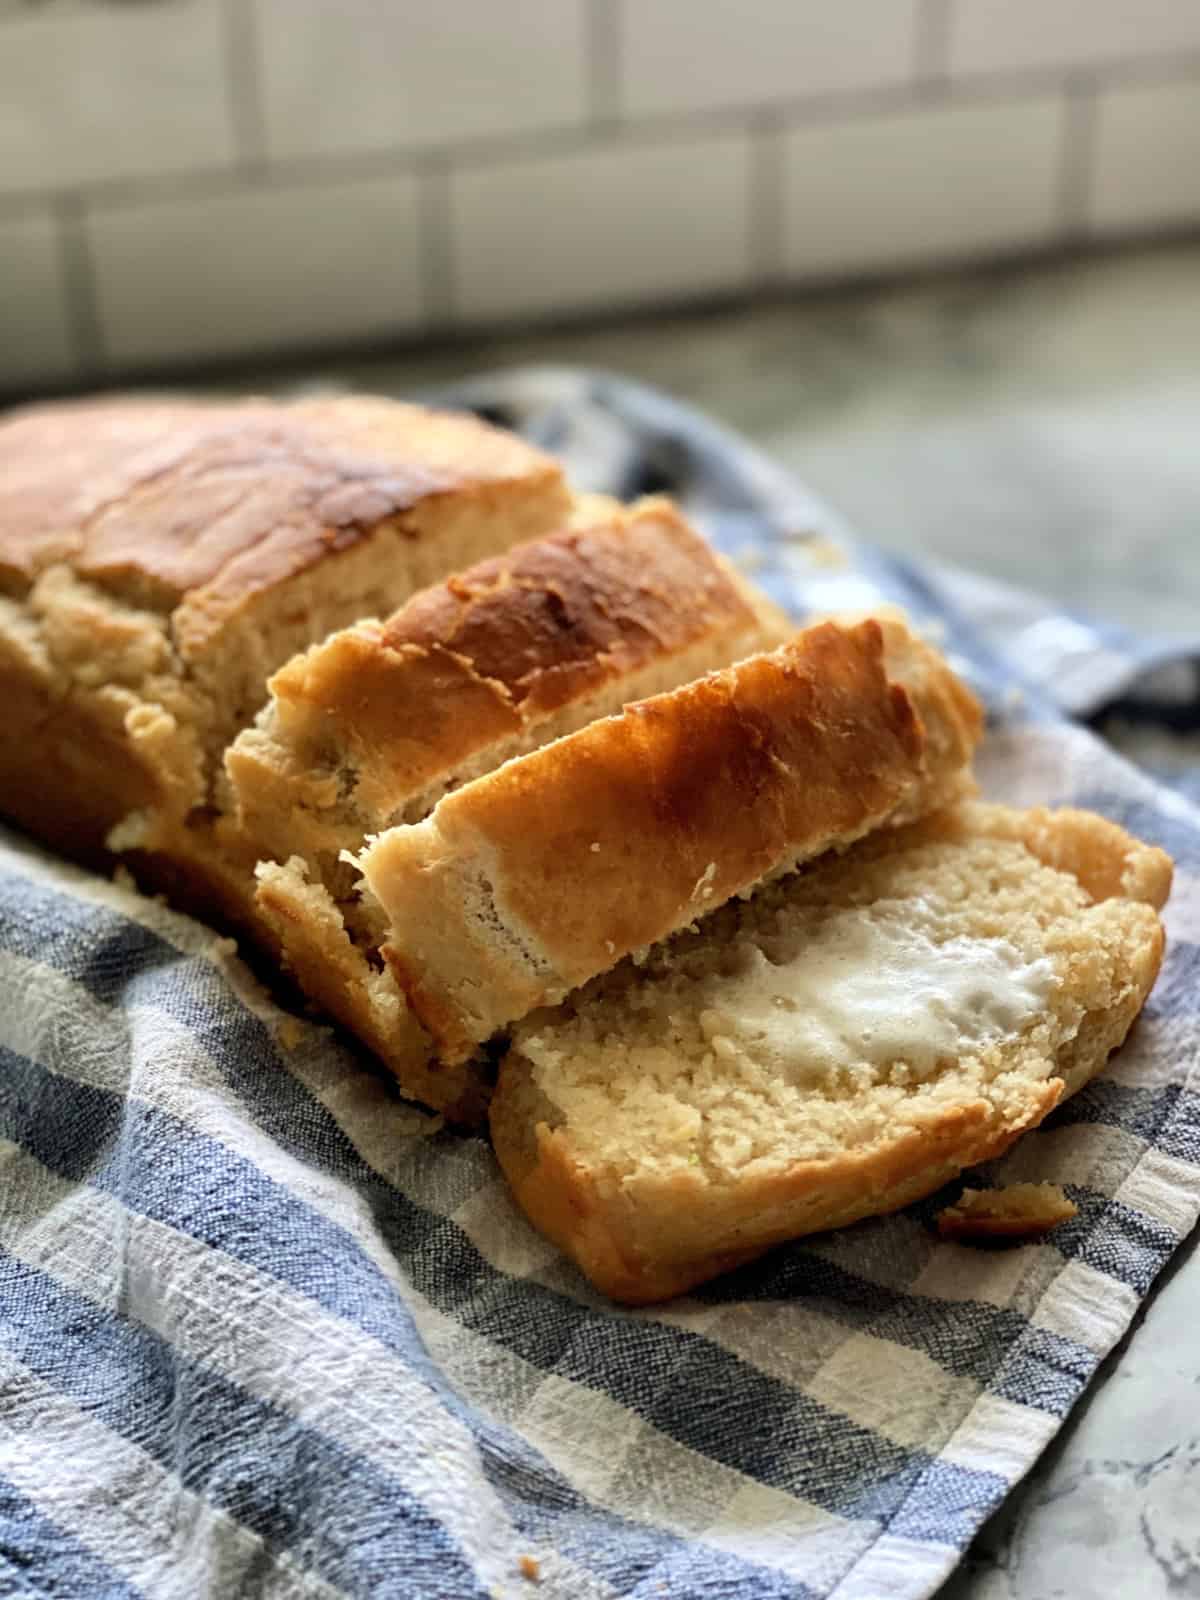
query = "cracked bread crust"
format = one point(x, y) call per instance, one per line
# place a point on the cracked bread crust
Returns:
point(159, 559)
point(528, 882)
point(373, 725)
point(658, 1181)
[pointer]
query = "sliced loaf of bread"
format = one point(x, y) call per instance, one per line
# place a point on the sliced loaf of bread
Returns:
point(527, 882)
point(845, 1042)
point(158, 559)
point(373, 726)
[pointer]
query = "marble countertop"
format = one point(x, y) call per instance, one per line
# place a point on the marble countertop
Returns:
point(1042, 426)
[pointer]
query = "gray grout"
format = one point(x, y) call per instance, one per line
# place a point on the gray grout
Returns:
point(243, 78)
point(1079, 155)
point(931, 47)
point(603, 45)
point(422, 342)
point(766, 202)
point(577, 137)
point(439, 287)
point(79, 285)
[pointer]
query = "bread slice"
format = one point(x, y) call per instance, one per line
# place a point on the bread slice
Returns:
point(526, 883)
point(374, 725)
point(1015, 1212)
point(384, 718)
point(159, 559)
point(843, 1043)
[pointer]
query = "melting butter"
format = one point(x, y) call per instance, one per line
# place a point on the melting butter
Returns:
point(865, 990)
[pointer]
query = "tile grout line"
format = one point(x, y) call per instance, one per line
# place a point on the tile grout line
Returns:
point(417, 341)
point(602, 66)
point(766, 201)
point(79, 284)
point(243, 83)
point(1078, 155)
point(574, 138)
point(931, 49)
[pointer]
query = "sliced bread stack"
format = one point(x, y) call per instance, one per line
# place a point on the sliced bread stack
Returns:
point(366, 733)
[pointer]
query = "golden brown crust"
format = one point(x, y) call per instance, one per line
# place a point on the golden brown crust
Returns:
point(165, 501)
point(551, 619)
point(478, 659)
point(159, 558)
point(1018, 1213)
point(642, 1238)
point(685, 800)
point(60, 464)
point(951, 717)
point(1109, 863)
point(634, 1247)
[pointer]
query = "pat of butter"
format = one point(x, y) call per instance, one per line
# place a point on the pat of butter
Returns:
point(864, 990)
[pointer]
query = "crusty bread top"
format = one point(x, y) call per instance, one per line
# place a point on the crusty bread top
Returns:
point(59, 464)
point(158, 501)
point(843, 1043)
point(473, 661)
point(529, 881)
point(570, 610)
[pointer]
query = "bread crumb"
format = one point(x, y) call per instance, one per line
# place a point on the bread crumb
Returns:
point(289, 1033)
point(530, 1569)
point(596, 848)
point(1017, 1211)
point(131, 832)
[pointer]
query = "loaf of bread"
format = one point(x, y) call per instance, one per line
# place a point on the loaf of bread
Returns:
point(529, 881)
point(158, 560)
point(381, 720)
point(845, 1042)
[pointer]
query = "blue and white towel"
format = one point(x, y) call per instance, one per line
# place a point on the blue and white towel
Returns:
point(263, 1333)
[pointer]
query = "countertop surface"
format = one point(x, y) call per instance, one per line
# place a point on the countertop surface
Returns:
point(1042, 426)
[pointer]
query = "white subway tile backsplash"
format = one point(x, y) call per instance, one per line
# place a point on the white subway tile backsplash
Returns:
point(35, 337)
point(112, 92)
point(938, 182)
point(1147, 156)
point(678, 55)
point(618, 225)
point(257, 269)
point(344, 75)
point(1008, 35)
point(379, 201)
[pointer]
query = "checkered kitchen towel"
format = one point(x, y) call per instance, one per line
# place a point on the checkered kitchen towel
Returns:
point(261, 1334)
